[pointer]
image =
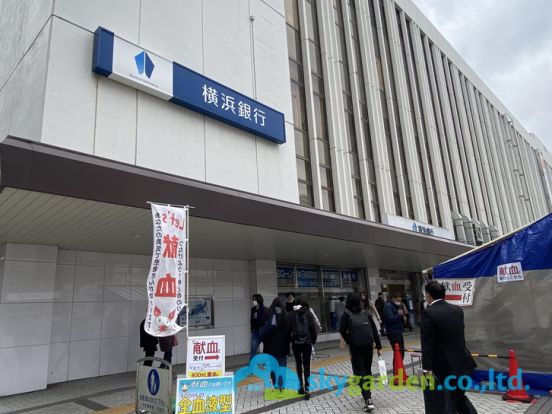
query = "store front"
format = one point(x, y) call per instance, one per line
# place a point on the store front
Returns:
point(324, 288)
point(409, 285)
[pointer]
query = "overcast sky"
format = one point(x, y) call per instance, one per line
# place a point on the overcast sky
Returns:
point(509, 45)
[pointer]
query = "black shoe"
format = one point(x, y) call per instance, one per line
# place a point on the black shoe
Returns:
point(301, 391)
point(369, 406)
point(307, 396)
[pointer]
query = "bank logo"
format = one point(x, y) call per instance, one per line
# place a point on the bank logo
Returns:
point(144, 64)
point(153, 382)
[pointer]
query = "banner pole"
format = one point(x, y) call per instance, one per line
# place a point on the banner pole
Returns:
point(187, 269)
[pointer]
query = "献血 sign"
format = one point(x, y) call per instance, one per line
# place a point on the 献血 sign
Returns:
point(509, 272)
point(205, 356)
point(459, 291)
point(130, 64)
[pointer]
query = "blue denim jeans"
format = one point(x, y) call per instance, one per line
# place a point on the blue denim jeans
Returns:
point(255, 342)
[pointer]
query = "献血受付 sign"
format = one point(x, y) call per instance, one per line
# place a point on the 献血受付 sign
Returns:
point(459, 291)
point(205, 356)
point(130, 64)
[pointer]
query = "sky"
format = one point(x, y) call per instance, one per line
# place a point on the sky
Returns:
point(508, 43)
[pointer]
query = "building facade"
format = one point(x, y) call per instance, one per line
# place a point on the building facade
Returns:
point(396, 157)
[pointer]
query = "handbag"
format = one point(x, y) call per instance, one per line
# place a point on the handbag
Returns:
point(383, 371)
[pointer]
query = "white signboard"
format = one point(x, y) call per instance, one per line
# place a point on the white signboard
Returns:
point(416, 226)
point(509, 272)
point(459, 291)
point(166, 285)
point(205, 356)
point(141, 69)
point(154, 390)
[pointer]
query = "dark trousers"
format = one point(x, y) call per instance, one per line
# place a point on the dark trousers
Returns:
point(167, 356)
point(447, 401)
point(149, 353)
point(280, 381)
point(396, 338)
point(255, 342)
point(361, 362)
point(302, 355)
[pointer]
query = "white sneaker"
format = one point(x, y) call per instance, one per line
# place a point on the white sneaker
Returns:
point(369, 406)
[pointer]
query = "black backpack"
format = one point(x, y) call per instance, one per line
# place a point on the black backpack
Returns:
point(360, 329)
point(301, 333)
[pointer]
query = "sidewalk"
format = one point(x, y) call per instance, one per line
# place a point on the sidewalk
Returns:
point(114, 394)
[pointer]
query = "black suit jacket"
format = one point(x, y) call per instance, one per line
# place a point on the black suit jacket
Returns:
point(444, 348)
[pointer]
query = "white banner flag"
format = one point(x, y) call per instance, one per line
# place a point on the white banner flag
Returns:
point(167, 279)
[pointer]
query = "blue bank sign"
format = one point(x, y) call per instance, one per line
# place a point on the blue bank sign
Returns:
point(127, 63)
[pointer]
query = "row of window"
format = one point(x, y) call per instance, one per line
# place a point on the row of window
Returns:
point(451, 128)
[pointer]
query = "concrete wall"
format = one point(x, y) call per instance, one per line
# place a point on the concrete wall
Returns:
point(95, 115)
point(66, 315)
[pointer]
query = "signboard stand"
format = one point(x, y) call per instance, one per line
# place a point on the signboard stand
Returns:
point(153, 387)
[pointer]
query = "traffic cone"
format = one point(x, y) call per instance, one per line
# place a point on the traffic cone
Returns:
point(519, 393)
point(399, 373)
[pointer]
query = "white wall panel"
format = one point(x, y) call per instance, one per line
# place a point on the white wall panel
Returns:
point(89, 282)
point(115, 134)
point(86, 320)
point(23, 369)
point(231, 158)
point(113, 355)
point(115, 319)
point(25, 324)
point(84, 359)
point(227, 44)
point(170, 138)
point(61, 322)
point(121, 17)
point(70, 103)
point(28, 282)
point(58, 362)
point(173, 30)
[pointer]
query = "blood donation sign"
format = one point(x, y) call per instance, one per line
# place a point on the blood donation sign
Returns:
point(204, 395)
point(205, 356)
point(168, 277)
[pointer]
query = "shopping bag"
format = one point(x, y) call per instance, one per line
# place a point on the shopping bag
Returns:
point(342, 343)
point(383, 371)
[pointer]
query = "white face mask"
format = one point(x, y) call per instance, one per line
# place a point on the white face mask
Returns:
point(255, 303)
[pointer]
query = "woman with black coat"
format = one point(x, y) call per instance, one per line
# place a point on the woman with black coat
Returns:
point(276, 336)
point(360, 332)
point(303, 337)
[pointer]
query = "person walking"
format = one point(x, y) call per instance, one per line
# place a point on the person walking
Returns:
point(290, 303)
point(444, 352)
point(257, 320)
point(339, 310)
point(380, 304)
point(393, 315)
point(303, 337)
point(369, 307)
point(166, 343)
point(359, 331)
point(276, 337)
point(148, 343)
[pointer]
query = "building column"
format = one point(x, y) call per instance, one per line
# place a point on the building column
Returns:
point(434, 128)
point(377, 129)
point(27, 281)
point(263, 280)
point(405, 114)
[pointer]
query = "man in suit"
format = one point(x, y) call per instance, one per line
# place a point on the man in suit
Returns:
point(444, 352)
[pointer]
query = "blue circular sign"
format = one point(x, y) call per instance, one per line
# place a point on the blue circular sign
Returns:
point(153, 382)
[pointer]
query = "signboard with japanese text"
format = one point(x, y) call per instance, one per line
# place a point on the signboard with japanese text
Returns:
point(204, 395)
point(509, 272)
point(459, 291)
point(307, 277)
point(166, 284)
point(423, 228)
point(331, 278)
point(153, 389)
point(200, 312)
point(205, 356)
point(136, 67)
point(349, 277)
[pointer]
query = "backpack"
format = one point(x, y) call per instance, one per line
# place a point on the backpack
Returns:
point(301, 333)
point(360, 329)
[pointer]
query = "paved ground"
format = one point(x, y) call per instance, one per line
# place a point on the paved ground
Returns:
point(115, 394)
